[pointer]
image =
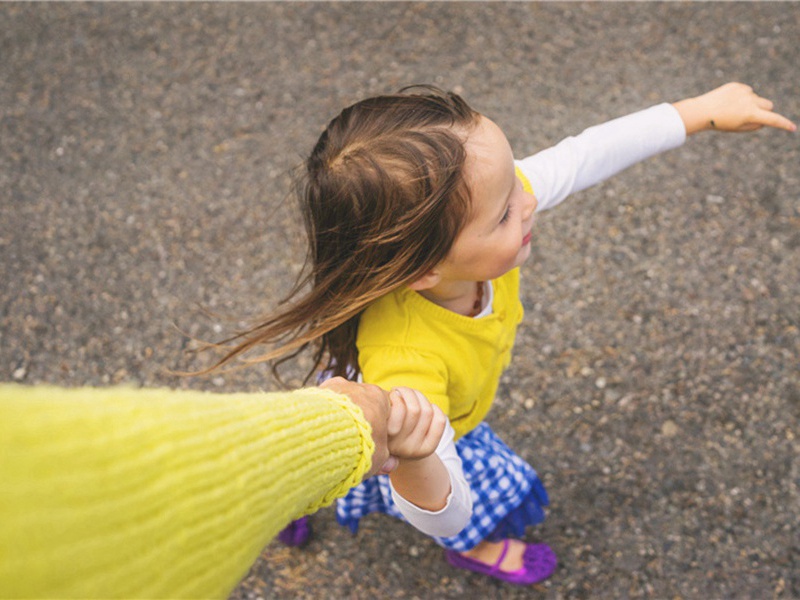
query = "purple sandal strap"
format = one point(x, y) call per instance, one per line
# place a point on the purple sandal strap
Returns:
point(496, 568)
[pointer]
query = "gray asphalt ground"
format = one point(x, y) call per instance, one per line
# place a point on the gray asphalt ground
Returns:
point(145, 160)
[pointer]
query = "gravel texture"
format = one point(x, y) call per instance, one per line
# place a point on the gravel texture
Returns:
point(145, 163)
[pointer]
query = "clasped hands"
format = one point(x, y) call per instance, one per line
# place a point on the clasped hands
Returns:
point(405, 425)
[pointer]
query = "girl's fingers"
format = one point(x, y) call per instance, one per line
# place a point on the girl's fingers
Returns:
point(397, 414)
point(764, 103)
point(430, 429)
point(773, 119)
point(431, 411)
point(764, 116)
point(412, 398)
point(404, 419)
point(438, 424)
point(411, 395)
point(422, 424)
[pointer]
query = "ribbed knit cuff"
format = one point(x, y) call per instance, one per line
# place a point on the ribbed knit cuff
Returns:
point(367, 446)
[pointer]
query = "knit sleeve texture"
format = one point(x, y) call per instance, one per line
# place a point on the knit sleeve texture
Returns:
point(132, 493)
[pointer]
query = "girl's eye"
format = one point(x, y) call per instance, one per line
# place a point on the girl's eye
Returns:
point(506, 214)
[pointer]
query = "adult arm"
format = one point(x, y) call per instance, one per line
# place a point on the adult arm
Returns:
point(155, 493)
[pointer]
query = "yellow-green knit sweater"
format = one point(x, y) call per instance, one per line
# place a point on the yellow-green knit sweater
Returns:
point(136, 493)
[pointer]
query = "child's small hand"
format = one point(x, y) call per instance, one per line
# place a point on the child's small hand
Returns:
point(415, 425)
point(731, 107)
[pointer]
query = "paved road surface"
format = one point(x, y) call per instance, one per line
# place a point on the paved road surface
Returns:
point(145, 160)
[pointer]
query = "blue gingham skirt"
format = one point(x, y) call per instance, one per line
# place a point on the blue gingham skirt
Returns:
point(507, 494)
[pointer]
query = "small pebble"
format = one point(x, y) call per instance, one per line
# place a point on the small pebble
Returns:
point(669, 428)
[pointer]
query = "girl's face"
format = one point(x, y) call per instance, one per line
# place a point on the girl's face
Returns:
point(497, 236)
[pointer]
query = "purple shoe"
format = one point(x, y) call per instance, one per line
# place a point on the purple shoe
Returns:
point(538, 563)
point(296, 533)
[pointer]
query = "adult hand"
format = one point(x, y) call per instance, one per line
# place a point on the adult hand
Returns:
point(375, 404)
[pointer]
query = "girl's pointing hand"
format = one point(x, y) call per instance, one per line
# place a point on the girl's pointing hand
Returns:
point(731, 107)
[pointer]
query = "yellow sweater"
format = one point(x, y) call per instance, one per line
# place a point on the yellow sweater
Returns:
point(456, 361)
point(134, 493)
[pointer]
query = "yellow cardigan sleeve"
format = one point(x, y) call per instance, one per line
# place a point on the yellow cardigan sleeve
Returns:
point(133, 493)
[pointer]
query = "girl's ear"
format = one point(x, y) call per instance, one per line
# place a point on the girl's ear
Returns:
point(426, 282)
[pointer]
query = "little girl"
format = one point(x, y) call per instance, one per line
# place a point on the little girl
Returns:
point(418, 218)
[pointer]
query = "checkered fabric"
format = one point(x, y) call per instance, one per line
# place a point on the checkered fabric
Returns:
point(507, 494)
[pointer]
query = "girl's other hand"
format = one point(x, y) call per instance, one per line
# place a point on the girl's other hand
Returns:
point(731, 107)
point(415, 425)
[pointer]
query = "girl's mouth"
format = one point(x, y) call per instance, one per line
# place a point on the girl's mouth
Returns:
point(527, 239)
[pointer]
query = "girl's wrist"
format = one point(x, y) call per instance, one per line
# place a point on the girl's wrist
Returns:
point(415, 462)
point(693, 115)
point(423, 482)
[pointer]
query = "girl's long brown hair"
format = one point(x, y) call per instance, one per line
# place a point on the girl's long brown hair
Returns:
point(383, 197)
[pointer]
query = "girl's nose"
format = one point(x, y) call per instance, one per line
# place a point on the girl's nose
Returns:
point(529, 206)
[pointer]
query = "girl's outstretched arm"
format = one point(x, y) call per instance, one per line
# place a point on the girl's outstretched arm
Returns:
point(731, 107)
